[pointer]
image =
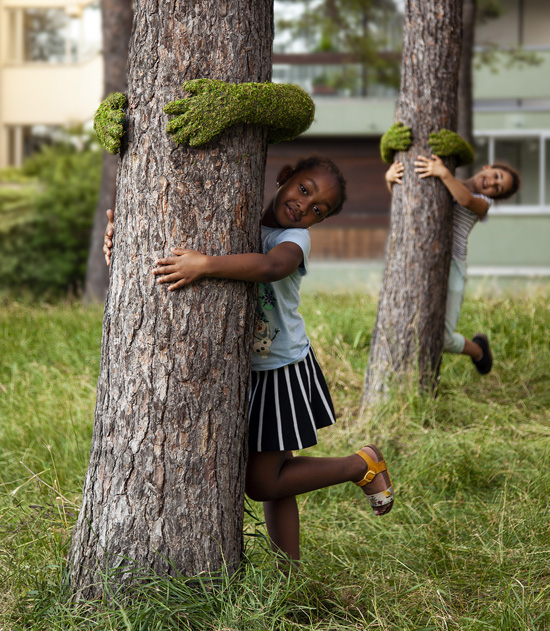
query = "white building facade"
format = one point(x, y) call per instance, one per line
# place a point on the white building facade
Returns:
point(51, 71)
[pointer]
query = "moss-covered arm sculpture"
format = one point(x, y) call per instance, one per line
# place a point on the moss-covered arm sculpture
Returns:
point(285, 109)
point(448, 143)
point(443, 143)
point(397, 138)
point(109, 121)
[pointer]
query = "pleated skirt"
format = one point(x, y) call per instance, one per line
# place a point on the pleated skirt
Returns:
point(287, 406)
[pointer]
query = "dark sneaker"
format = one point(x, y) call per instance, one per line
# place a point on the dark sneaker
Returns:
point(484, 364)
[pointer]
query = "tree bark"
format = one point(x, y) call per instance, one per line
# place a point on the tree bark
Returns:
point(465, 82)
point(165, 483)
point(116, 26)
point(408, 336)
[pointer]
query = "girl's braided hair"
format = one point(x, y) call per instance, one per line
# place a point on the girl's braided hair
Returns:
point(316, 162)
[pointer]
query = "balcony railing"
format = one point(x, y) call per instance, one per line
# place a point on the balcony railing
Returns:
point(334, 74)
point(339, 75)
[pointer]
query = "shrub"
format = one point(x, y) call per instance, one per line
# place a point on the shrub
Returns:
point(46, 215)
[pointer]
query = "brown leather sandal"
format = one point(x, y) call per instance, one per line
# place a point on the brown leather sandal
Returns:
point(382, 498)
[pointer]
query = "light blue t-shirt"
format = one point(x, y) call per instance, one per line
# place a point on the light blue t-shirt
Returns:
point(280, 332)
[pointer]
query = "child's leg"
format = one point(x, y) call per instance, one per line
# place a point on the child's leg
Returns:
point(276, 477)
point(283, 525)
point(282, 518)
point(478, 348)
point(483, 360)
point(454, 342)
point(472, 349)
point(273, 475)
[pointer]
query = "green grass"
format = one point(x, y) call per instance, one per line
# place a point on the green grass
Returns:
point(465, 547)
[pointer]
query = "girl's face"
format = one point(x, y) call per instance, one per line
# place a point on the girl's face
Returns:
point(492, 182)
point(306, 198)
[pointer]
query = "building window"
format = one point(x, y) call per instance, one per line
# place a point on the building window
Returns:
point(338, 79)
point(54, 35)
point(45, 35)
point(481, 146)
point(37, 136)
point(24, 140)
point(524, 154)
point(90, 29)
point(529, 153)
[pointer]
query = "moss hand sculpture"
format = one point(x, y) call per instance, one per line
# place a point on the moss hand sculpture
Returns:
point(443, 143)
point(448, 143)
point(285, 109)
point(109, 121)
point(397, 138)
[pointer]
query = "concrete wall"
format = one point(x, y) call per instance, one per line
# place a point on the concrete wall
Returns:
point(511, 241)
point(51, 95)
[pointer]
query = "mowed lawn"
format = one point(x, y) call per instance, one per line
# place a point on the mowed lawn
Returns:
point(466, 545)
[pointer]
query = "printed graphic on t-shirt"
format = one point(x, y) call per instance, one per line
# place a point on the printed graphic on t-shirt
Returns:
point(262, 330)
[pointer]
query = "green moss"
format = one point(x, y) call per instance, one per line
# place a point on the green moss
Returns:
point(285, 109)
point(397, 138)
point(442, 143)
point(448, 143)
point(109, 121)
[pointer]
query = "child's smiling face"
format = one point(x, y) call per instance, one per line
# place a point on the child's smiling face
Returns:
point(492, 182)
point(306, 198)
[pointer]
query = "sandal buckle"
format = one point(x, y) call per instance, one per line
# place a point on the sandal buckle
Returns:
point(369, 476)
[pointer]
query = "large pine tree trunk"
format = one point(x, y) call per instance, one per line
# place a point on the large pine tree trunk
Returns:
point(166, 475)
point(116, 18)
point(408, 336)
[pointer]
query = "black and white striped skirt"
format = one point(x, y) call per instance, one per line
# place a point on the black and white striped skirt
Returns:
point(287, 406)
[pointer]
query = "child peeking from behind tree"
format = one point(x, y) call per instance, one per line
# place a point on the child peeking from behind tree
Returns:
point(472, 200)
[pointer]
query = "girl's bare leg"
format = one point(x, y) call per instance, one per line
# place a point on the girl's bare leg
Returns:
point(276, 474)
point(276, 477)
point(283, 525)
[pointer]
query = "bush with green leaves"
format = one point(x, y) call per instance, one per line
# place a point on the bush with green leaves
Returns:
point(46, 214)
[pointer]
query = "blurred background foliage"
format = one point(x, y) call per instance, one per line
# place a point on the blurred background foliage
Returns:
point(46, 214)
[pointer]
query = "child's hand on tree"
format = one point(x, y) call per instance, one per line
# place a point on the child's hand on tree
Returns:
point(448, 143)
point(286, 110)
point(430, 167)
point(397, 138)
point(185, 267)
point(108, 236)
point(394, 175)
point(109, 121)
